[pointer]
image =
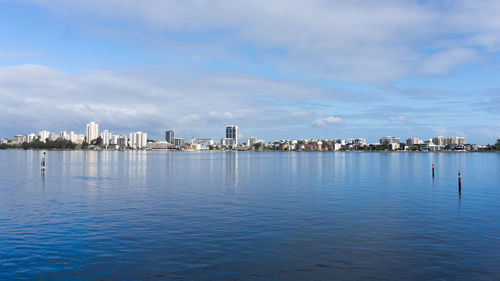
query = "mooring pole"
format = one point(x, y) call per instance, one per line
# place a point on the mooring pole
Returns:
point(459, 182)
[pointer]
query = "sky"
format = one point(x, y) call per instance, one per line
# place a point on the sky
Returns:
point(277, 69)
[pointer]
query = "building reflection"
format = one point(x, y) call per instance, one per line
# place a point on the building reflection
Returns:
point(231, 169)
point(91, 163)
point(137, 167)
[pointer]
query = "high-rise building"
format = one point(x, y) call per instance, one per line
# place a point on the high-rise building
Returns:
point(232, 133)
point(106, 136)
point(138, 140)
point(92, 132)
point(169, 136)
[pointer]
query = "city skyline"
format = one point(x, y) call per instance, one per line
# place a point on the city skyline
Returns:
point(340, 69)
point(231, 139)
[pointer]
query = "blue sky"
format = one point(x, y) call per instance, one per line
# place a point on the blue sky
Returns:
point(280, 69)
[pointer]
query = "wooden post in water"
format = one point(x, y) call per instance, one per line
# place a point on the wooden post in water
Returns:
point(459, 182)
point(42, 164)
point(432, 170)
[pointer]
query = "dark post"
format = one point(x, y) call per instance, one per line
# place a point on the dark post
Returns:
point(432, 170)
point(459, 182)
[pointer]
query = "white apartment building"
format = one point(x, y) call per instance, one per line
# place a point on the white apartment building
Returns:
point(413, 141)
point(138, 140)
point(18, 139)
point(64, 135)
point(106, 137)
point(30, 137)
point(44, 135)
point(92, 132)
point(251, 141)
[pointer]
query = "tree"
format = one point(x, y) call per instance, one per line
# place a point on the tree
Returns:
point(97, 141)
point(85, 145)
point(497, 145)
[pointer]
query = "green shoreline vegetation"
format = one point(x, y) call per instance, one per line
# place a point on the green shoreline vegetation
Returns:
point(61, 144)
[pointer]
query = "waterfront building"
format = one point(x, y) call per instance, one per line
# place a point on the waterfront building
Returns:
point(64, 135)
point(138, 140)
point(122, 141)
point(53, 136)
point(44, 135)
point(389, 140)
point(92, 132)
point(72, 136)
point(158, 145)
point(18, 139)
point(30, 138)
point(413, 141)
point(455, 141)
point(251, 141)
point(439, 140)
point(169, 136)
point(113, 140)
point(229, 142)
point(3, 141)
point(205, 142)
point(232, 133)
point(76, 138)
point(106, 136)
point(178, 143)
point(360, 141)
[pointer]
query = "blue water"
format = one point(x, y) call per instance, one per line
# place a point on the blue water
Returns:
point(239, 216)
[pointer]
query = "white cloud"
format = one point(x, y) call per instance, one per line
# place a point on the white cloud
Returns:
point(361, 41)
point(327, 121)
point(445, 61)
point(38, 97)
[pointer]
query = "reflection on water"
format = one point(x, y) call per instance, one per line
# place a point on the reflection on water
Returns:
point(137, 167)
point(231, 169)
point(114, 215)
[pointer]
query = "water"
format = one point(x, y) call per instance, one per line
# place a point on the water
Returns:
point(238, 216)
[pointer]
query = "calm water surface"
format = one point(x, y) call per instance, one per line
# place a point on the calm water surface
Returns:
point(231, 216)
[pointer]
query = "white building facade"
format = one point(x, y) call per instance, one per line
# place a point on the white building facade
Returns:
point(138, 140)
point(92, 132)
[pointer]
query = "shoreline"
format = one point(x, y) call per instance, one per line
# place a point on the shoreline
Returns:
point(222, 150)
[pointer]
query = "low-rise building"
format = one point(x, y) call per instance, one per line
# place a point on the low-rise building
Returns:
point(158, 145)
point(18, 139)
